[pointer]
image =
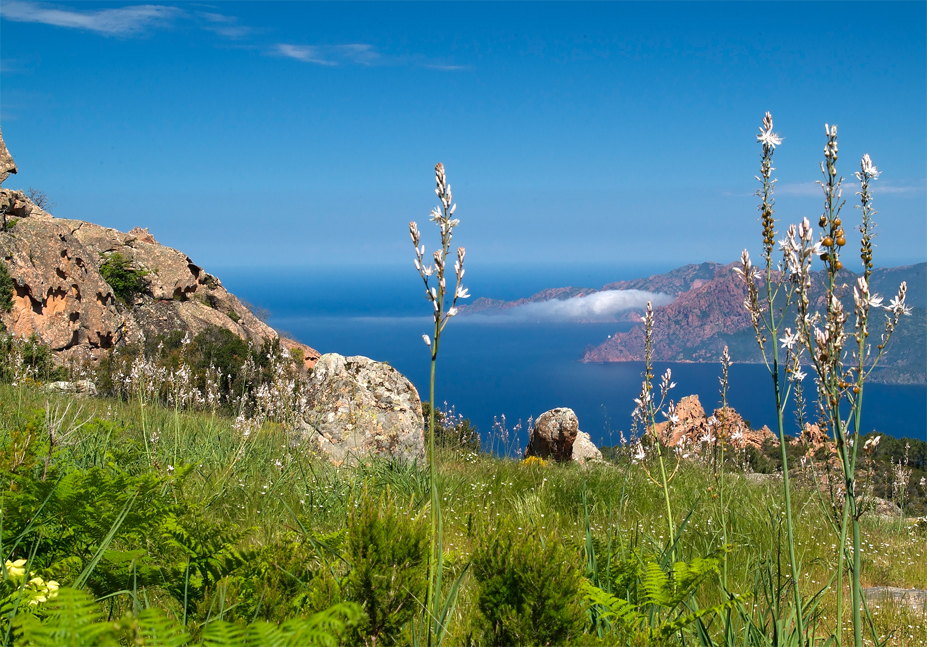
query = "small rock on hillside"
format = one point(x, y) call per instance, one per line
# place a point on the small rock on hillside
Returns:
point(359, 407)
point(556, 436)
point(584, 449)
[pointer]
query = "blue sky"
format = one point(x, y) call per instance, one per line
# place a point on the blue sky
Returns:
point(573, 134)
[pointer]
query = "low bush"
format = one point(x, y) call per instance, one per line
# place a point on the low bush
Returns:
point(127, 282)
point(387, 551)
point(529, 590)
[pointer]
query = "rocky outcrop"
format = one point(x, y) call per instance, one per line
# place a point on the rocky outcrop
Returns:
point(553, 435)
point(915, 599)
point(7, 165)
point(61, 296)
point(358, 407)
point(556, 435)
point(694, 426)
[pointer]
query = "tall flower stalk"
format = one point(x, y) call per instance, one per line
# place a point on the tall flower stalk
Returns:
point(646, 412)
point(842, 359)
point(767, 300)
point(433, 275)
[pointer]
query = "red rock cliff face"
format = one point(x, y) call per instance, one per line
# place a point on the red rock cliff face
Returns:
point(688, 329)
point(61, 296)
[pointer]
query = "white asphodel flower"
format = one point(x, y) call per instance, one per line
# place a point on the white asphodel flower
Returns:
point(452, 312)
point(790, 339)
point(868, 168)
point(427, 340)
point(462, 293)
point(767, 137)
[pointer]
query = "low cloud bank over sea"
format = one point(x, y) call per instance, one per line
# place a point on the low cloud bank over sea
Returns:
point(598, 307)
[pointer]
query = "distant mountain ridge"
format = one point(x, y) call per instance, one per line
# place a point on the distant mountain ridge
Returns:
point(708, 314)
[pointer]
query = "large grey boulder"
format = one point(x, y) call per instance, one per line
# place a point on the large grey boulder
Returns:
point(360, 407)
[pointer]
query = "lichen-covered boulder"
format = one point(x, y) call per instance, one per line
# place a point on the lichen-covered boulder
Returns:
point(553, 435)
point(360, 407)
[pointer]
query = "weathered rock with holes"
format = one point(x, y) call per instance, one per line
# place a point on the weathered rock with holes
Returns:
point(553, 435)
point(359, 407)
point(61, 296)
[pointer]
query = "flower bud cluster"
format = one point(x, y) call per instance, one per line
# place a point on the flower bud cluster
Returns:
point(436, 294)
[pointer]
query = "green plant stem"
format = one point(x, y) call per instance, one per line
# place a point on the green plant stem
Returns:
point(787, 495)
point(435, 539)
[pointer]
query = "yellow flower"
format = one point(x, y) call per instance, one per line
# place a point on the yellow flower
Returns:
point(535, 460)
point(52, 587)
point(37, 582)
point(15, 569)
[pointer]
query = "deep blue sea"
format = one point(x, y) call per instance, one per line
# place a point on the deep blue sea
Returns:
point(514, 368)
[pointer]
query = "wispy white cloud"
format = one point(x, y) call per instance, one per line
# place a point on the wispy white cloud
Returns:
point(304, 53)
point(878, 188)
point(354, 54)
point(599, 306)
point(227, 26)
point(122, 21)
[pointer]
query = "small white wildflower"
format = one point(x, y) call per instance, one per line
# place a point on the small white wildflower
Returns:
point(427, 340)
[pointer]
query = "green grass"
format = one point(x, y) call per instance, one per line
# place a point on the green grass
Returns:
point(278, 510)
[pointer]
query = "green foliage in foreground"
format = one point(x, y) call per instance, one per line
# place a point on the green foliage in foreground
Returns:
point(206, 537)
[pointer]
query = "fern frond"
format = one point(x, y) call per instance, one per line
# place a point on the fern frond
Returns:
point(656, 585)
point(73, 620)
point(220, 633)
point(620, 613)
point(682, 621)
point(153, 628)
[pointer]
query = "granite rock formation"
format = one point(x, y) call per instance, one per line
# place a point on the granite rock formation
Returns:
point(556, 435)
point(359, 407)
point(693, 424)
point(61, 296)
point(553, 435)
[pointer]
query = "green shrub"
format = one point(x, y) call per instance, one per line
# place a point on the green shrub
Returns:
point(451, 429)
point(126, 281)
point(6, 288)
point(388, 552)
point(529, 590)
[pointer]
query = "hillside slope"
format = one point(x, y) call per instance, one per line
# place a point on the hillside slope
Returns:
point(59, 292)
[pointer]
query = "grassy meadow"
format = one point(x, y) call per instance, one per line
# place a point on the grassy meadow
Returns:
point(219, 529)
